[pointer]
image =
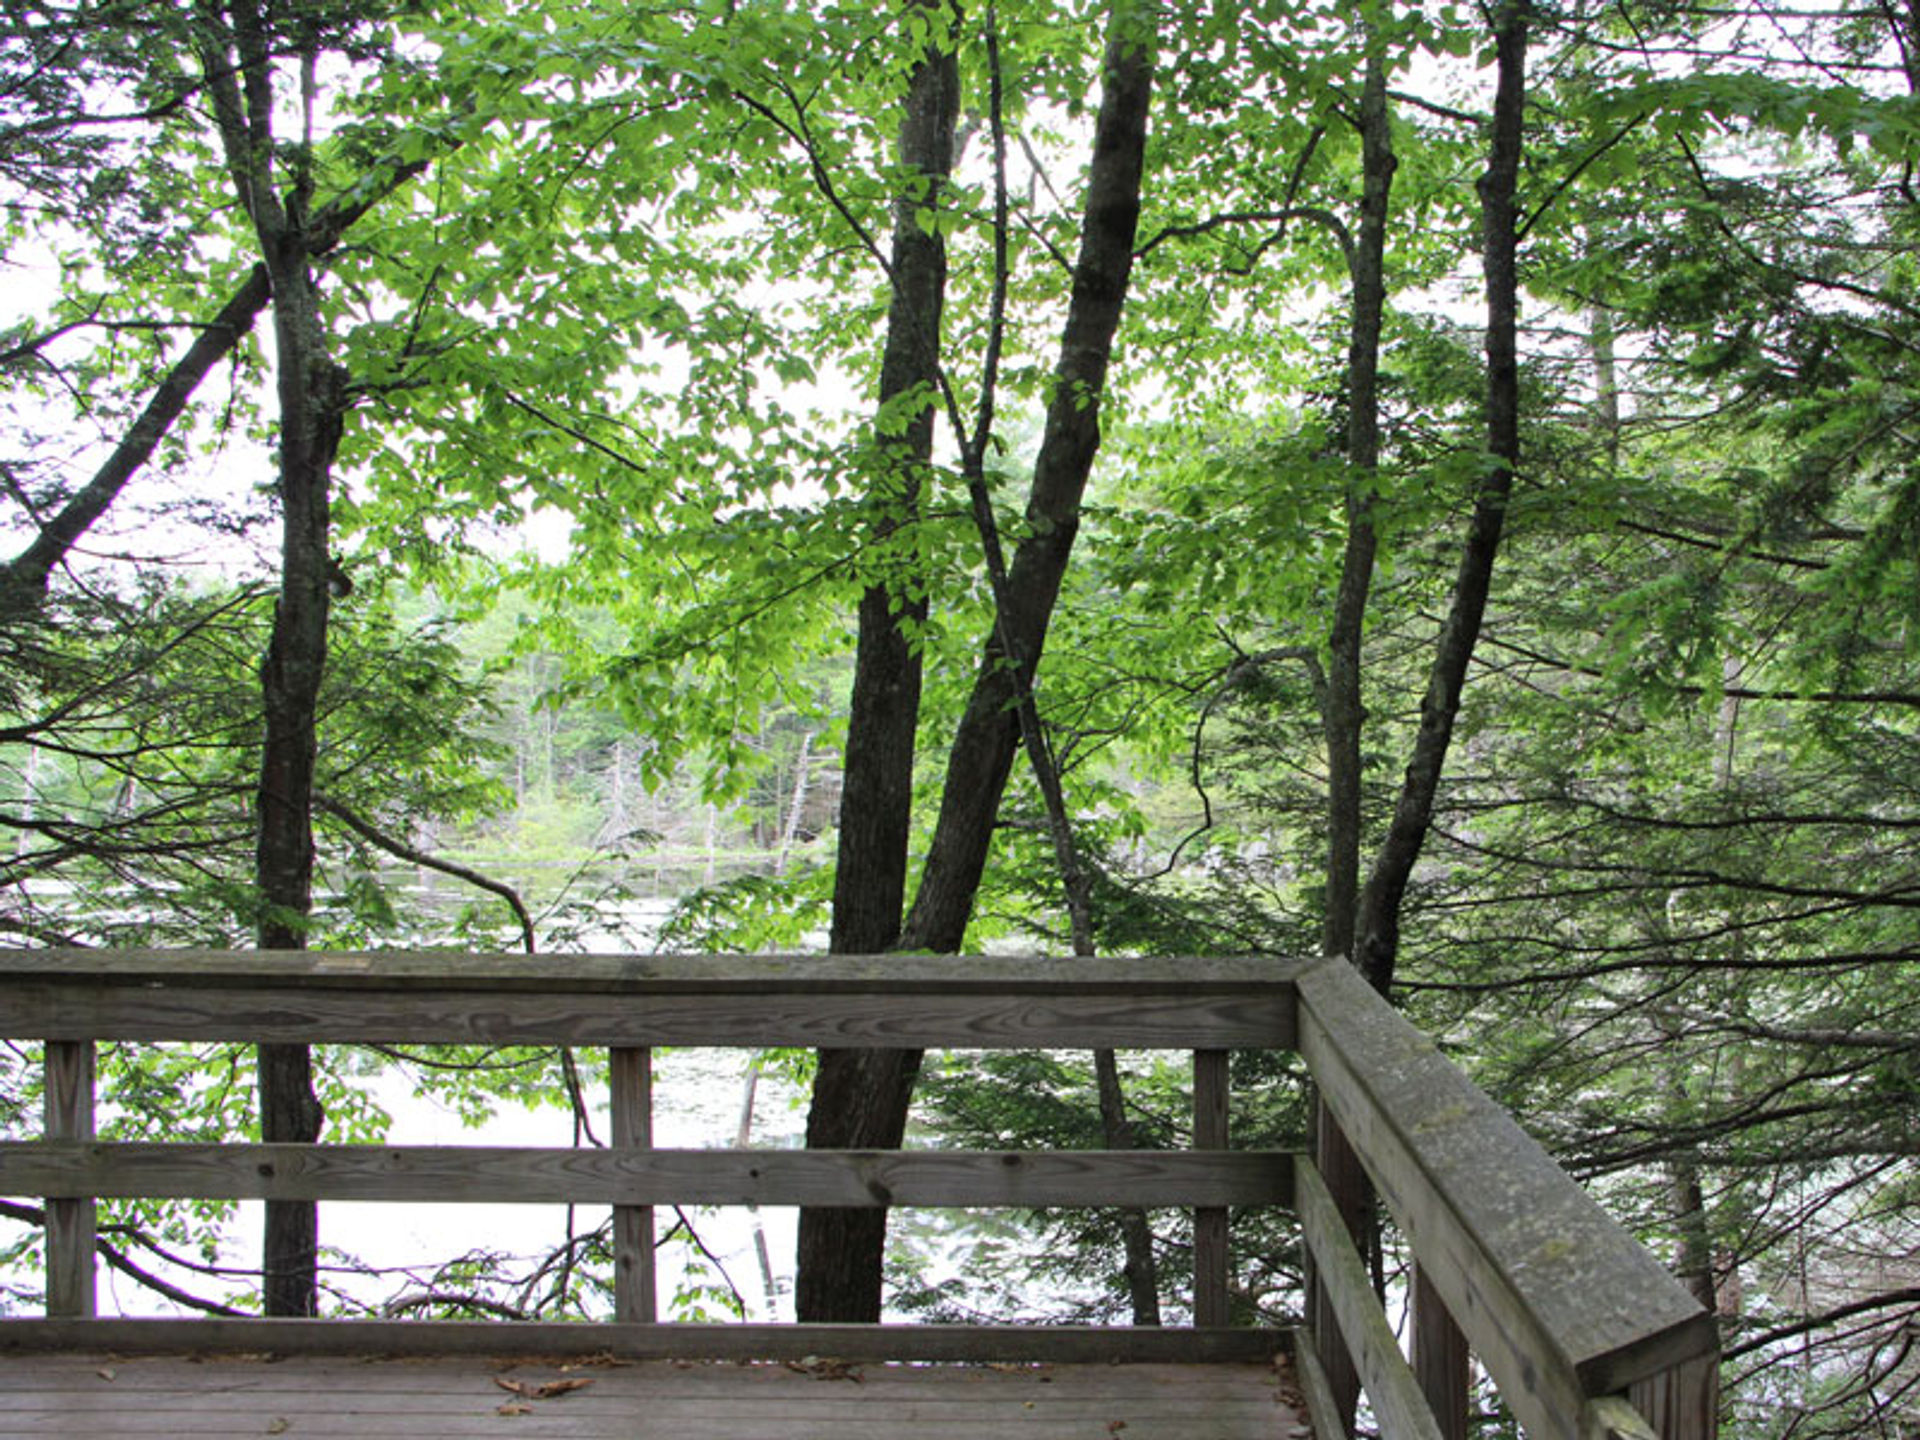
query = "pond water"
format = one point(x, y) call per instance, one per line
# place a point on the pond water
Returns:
point(702, 1099)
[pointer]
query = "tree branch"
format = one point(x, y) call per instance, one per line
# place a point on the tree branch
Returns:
point(400, 850)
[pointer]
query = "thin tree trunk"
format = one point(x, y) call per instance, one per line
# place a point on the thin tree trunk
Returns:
point(870, 1093)
point(839, 1249)
point(1343, 716)
point(1379, 925)
point(237, 54)
point(982, 753)
point(796, 803)
point(1139, 1268)
point(1606, 380)
point(313, 405)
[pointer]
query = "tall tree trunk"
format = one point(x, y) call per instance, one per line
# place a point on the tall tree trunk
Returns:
point(1343, 716)
point(983, 747)
point(1379, 924)
point(876, 804)
point(237, 50)
point(1606, 380)
point(872, 1089)
point(313, 404)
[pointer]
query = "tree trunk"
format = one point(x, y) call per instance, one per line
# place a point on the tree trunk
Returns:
point(876, 804)
point(237, 48)
point(1379, 924)
point(982, 753)
point(312, 393)
point(1344, 716)
point(870, 1090)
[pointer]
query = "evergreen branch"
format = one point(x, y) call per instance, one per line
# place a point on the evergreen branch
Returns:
point(1884, 1301)
point(1906, 698)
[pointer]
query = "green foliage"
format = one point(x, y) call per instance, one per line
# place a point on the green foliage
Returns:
point(637, 294)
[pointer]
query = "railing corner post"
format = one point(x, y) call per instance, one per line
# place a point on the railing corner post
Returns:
point(1683, 1401)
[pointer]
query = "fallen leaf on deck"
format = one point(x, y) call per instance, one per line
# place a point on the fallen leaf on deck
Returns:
point(558, 1387)
point(514, 1407)
point(540, 1390)
point(105, 1372)
point(278, 1425)
point(825, 1368)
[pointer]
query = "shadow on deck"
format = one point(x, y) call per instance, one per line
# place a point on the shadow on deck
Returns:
point(1580, 1329)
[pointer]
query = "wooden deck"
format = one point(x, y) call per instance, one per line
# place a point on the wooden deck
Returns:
point(1582, 1331)
point(320, 1397)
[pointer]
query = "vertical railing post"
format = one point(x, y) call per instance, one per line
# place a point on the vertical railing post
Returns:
point(70, 1219)
point(1439, 1357)
point(630, 1077)
point(1683, 1402)
point(1210, 1103)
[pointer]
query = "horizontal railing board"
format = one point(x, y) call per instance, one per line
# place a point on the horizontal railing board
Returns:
point(1316, 1391)
point(1038, 1344)
point(630, 974)
point(1398, 1404)
point(1041, 1019)
point(1559, 1302)
point(460, 1173)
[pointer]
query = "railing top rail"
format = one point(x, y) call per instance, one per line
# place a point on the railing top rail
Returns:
point(643, 974)
point(452, 997)
point(1558, 1300)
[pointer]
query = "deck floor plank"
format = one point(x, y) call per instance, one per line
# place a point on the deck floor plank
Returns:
point(322, 1398)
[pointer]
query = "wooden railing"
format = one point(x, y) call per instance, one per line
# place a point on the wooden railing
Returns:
point(1580, 1328)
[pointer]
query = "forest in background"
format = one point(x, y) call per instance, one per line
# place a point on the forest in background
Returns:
point(1422, 482)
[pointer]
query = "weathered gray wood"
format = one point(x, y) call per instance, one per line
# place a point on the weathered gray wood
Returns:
point(70, 1220)
point(965, 1344)
point(1384, 1373)
point(632, 974)
point(1682, 1403)
point(635, 1292)
point(557, 1015)
point(461, 1173)
point(1559, 1303)
point(1439, 1357)
point(1611, 1418)
point(1210, 1100)
point(1562, 1305)
point(1346, 1180)
point(464, 1398)
point(1323, 1407)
